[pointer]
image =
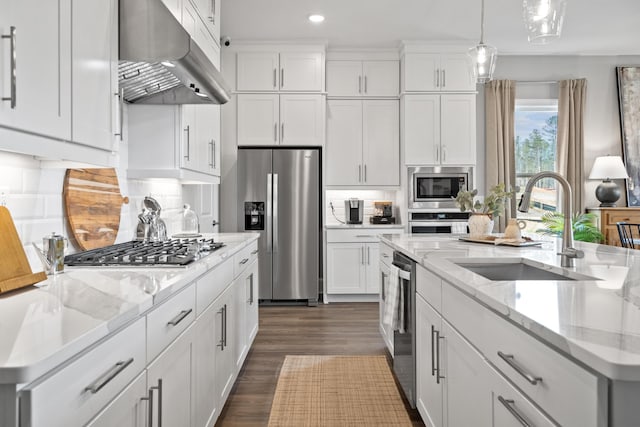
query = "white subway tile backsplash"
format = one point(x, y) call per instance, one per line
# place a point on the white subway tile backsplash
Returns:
point(26, 206)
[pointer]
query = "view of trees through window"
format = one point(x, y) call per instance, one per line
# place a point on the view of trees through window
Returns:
point(536, 124)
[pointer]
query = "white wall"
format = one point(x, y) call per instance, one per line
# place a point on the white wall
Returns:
point(602, 122)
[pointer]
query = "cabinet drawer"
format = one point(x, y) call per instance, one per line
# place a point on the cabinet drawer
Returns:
point(611, 217)
point(386, 254)
point(244, 258)
point(76, 393)
point(429, 286)
point(212, 284)
point(166, 322)
point(510, 407)
point(363, 235)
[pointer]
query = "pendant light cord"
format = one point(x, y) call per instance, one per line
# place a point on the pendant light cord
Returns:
point(482, 23)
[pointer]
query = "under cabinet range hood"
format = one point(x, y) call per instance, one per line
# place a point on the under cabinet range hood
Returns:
point(160, 63)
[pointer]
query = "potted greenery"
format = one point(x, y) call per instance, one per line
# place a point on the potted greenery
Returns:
point(584, 226)
point(483, 212)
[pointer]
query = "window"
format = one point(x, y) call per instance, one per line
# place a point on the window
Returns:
point(536, 124)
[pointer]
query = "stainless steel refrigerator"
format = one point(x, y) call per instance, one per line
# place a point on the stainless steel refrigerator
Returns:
point(279, 197)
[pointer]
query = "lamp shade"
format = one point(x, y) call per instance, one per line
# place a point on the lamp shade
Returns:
point(608, 167)
point(543, 19)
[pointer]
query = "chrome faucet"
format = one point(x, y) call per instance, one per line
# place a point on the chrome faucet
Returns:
point(569, 253)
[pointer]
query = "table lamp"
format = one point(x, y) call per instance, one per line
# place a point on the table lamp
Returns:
point(607, 168)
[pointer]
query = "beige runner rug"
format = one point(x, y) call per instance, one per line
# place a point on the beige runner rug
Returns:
point(337, 391)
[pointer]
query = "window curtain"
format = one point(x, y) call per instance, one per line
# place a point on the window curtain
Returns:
point(500, 104)
point(571, 105)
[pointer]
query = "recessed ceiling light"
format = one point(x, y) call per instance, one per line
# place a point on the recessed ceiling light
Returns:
point(316, 19)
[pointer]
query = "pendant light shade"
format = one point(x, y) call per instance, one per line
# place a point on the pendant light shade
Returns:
point(543, 19)
point(483, 56)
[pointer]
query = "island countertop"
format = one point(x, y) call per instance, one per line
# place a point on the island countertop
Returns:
point(596, 322)
point(43, 326)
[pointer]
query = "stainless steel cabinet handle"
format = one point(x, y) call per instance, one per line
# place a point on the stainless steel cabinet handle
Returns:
point(437, 78)
point(444, 153)
point(120, 95)
point(359, 84)
point(282, 78)
point(12, 47)
point(433, 353)
point(108, 376)
point(244, 261)
point(250, 283)
point(254, 252)
point(438, 338)
point(382, 293)
point(359, 173)
point(365, 84)
point(282, 132)
point(213, 12)
point(368, 256)
point(179, 318)
point(275, 76)
point(150, 405)
point(149, 400)
point(225, 326)
point(510, 405)
point(188, 131)
point(365, 173)
point(444, 78)
point(534, 380)
point(215, 159)
point(211, 152)
point(221, 343)
point(159, 388)
point(275, 132)
point(365, 235)
point(437, 153)
point(385, 255)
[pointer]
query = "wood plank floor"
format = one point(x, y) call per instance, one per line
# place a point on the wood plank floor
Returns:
point(327, 329)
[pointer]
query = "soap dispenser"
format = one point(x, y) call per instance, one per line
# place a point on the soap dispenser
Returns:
point(190, 222)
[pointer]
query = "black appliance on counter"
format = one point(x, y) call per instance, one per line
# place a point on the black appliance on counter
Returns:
point(382, 213)
point(354, 211)
point(167, 253)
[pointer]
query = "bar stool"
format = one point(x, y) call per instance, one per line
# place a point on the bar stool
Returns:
point(629, 235)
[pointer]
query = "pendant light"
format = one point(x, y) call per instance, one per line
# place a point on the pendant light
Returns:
point(483, 56)
point(543, 19)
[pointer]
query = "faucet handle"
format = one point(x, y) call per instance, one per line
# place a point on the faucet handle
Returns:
point(572, 253)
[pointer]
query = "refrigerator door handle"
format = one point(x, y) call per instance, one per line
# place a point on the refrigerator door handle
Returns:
point(275, 213)
point(269, 212)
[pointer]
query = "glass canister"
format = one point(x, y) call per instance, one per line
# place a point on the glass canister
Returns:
point(190, 222)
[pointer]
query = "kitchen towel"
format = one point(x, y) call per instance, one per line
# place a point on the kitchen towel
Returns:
point(392, 302)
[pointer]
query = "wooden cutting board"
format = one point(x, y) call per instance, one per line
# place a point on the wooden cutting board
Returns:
point(15, 271)
point(93, 201)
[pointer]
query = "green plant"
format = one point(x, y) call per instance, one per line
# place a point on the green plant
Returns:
point(493, 203)
point(584, 226)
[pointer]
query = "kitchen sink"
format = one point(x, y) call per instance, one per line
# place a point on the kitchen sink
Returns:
point(517, 269)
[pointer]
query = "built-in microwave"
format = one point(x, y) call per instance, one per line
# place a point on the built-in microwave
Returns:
point(434, 187)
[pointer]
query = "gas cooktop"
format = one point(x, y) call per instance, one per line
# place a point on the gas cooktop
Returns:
point(169, 253)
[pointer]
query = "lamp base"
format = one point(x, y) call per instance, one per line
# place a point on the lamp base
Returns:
point(608, 193)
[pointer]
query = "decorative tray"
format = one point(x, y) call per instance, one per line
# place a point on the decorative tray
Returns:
point(495, 240)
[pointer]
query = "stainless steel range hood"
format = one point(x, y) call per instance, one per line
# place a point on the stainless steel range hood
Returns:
point(160, 63)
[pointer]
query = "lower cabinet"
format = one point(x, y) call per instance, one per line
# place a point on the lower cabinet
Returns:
point(225, 366)
point(385, 329)
point(206, 397)
point(127, 409)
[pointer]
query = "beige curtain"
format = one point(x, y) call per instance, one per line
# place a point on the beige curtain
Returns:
point(571, 104)
point(499, 102)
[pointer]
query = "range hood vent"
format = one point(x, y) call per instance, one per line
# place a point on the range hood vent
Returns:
point(159, 61)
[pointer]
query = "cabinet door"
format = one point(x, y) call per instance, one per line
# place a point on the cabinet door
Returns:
point(301, 120)
point(224, 362)
point(175, 369)
point(385, 330)
point(458, 129)
point(372, 269)
point(189, 146)
point(206, 402)
point(127, 409)
point(257, 71)
point(421, 72)
point(381, 78)
point(209, 11)
point(42, 48)
point(207, 118)
point(344, 78)
point(301, 71)
point(344, 142)
point(251, 282)
point(94, 66)
point(456, 72)
point(345, 268)
point(240, 296)
point(466, 382)
point(258, 118)
point(421, 121)
point(202, 36)
point(381, 142)
point(429, 390)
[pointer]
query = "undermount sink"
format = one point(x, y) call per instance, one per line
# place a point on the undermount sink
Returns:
point(507, 269)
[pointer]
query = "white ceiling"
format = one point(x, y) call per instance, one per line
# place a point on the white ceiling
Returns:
point(591, 27)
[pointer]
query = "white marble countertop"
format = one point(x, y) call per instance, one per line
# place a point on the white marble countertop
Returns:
point(46, 324)
point(360, 226)
point(596, 322)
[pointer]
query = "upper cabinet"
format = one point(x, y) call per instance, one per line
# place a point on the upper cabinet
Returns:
point(371, 78)
point(437, 72)
point(209, 10)
point(280, 71)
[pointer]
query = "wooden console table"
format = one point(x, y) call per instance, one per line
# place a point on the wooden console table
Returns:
point(607, 218)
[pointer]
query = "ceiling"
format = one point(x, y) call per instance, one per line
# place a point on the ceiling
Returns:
point(591, 27)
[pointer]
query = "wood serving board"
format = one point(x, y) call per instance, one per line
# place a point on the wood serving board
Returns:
point(92, 201)
point(497, 241)
point(15, 271)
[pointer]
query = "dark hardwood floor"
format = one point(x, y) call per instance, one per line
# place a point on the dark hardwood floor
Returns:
point(327, 329)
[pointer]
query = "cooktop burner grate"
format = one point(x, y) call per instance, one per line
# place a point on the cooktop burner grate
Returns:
point(173, 252)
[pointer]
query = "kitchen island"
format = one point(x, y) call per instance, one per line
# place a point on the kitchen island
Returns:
point(57, 339)
point(584, 334)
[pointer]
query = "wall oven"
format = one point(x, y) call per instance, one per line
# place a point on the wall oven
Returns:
point(435, 187)
point(432, 222)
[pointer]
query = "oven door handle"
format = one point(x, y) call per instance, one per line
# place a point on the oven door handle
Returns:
point(404, 275)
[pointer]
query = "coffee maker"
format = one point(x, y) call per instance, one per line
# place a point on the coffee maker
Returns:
point(354, 211)
point(382, 213)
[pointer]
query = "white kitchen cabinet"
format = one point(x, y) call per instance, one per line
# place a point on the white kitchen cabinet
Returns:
point(363, 146)
point(225, 366)
point(280, 71)
point(435, 72)
point(285, 119)
point(94, 91)
point(429, 384)
point(363, 78)
point(209, 11)
point(250, 281)
point(207, 405)
point(439, 129)
point(385, 329)
point(175, 142)
point(174, 376)
point(38, 83)
point(127, 409)
point(199, 27)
